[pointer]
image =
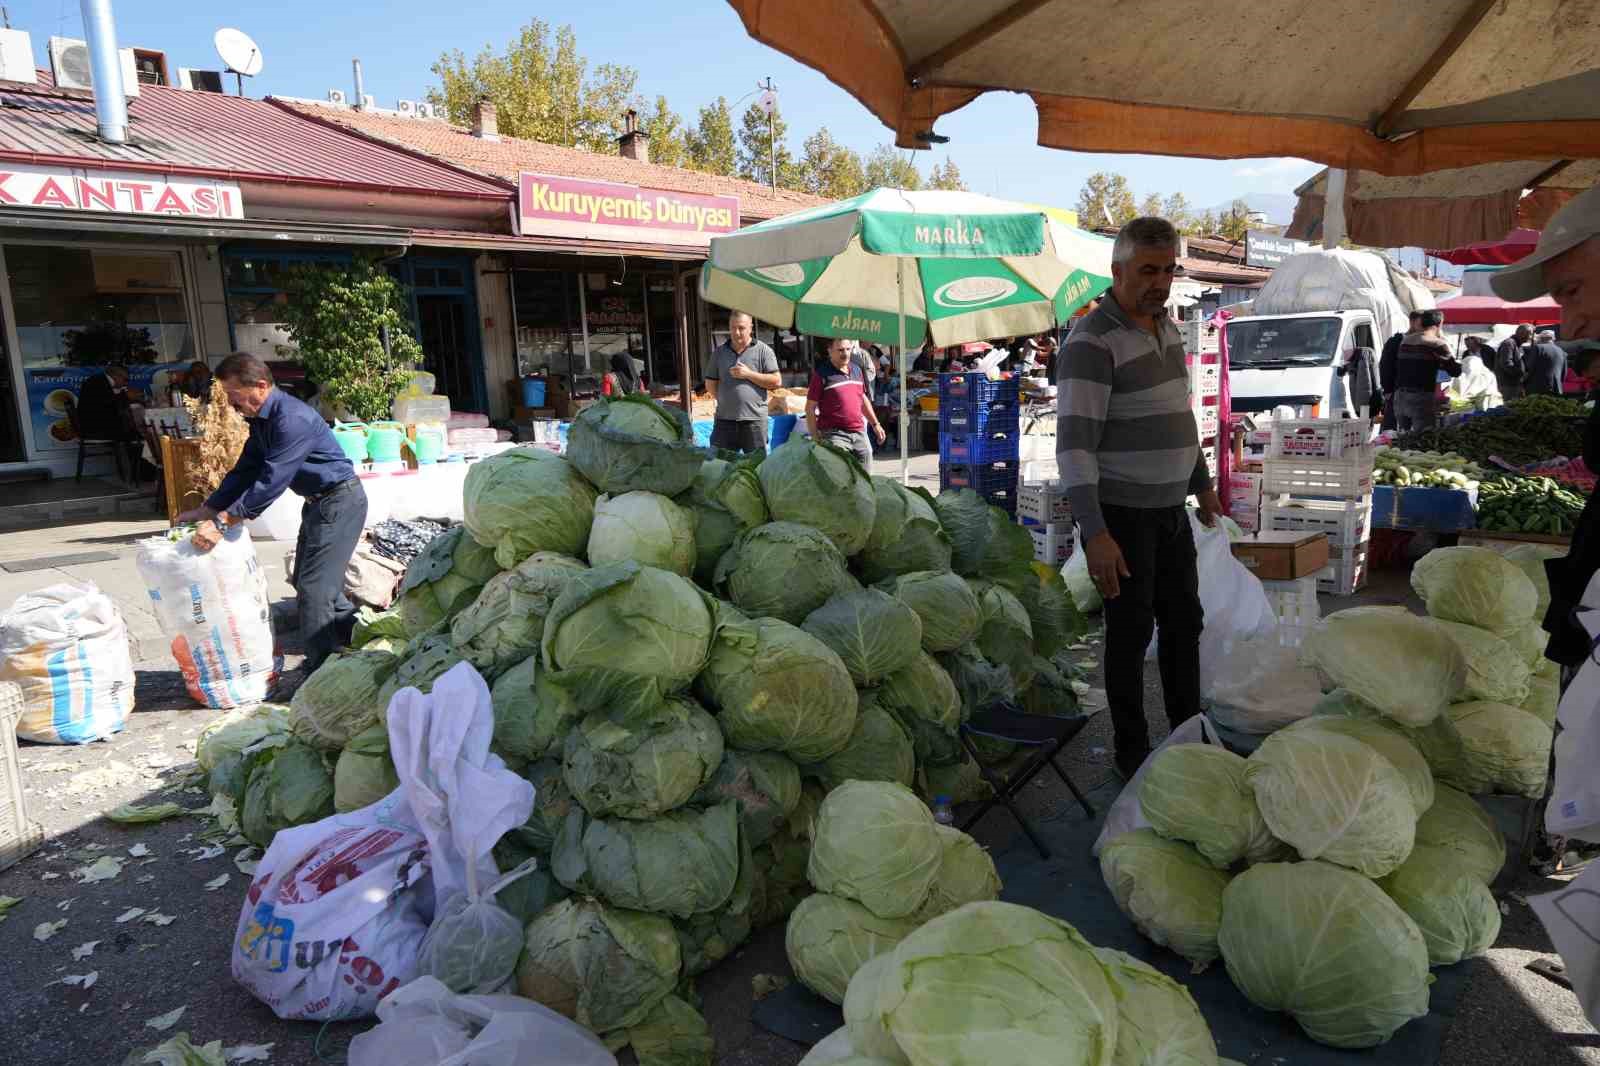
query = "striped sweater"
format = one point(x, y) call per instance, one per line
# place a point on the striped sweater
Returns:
point(1124, 432)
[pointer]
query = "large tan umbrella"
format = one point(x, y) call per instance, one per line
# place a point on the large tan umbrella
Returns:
point(1446, 208)
point(1371, 85)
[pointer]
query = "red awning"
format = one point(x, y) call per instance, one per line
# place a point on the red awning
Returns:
point(1518, 244)
point(1493, 311)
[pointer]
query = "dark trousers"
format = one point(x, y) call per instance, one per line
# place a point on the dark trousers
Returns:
point(330, 529)
point(739, 435)
point(1164, 591)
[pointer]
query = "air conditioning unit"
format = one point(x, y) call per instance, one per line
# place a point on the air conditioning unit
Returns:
point(408, 108)
point(16, 57)
point(368, 103)
point(338, 98)
point(200, 81)
point(69, 62)
point(425, 110)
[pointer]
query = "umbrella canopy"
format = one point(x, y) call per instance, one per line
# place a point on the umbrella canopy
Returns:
point(1493, 311)
point(973, 268)
point(1383, 87)
point(1519, 244)
point(1445, 208)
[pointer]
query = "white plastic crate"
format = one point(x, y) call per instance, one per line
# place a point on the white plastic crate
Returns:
point(1043, 502)
point(1052, 543)
point(1244, 487)
point(1200, 336)
point(1295, 604)
point(20, 836)
point(1318, 438)
point(1346, 572)
point(1347, 477)
point(1205, 416)
point(1205, 380)
point(1210, 452)
point(1346, 522)
point(1247, 516)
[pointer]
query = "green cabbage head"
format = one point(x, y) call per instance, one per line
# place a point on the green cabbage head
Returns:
point(944, 602)
point(764, 784)
point(226, 736)
point(603, 967)
point(706, 939)
point(1333, 797)
point(646, 527)
point(340, 699)
point(1530, 559)
point(991, 972)
point(1056, 620)
point(681, 863)
point(924, 700)
point(284, 786)
point(966, 875)
point(822, 487)
point(1005, 632)
point(365, 771)
point(879, 750)
point(1456, 913)
point(527, 500)
point(1168, 891)
point(633, 443)
point(531, 715)
point(505, 624)
point(645, 768)
point(868, 1037)
point(906, 534)
point(1495, 670)
point(759, 572)
point(1475, 586)
point(873, 633)
point(1226, 827)
point(875, 843)
point(1458, 824)
point(552, 802)
point(725, 500)
point(1507, 749)
point(829, 938)
point(427, 659)
point(1388, 740)
point(1403, 665)
point(778, 688)
point(444, 579)
point(1544, 698)
point(1157, 1019)
point(986, 542)
point(1305, 938)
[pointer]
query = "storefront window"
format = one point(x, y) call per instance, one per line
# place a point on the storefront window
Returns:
point(549, 332)
point(255, 299)
point(614, 312)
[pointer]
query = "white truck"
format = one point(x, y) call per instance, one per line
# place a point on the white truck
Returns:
point(1306, 324)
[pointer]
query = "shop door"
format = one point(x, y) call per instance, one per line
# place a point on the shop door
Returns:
point(442, 325)
point(12, 447)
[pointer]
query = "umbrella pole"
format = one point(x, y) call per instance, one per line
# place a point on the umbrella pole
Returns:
point(900, 290)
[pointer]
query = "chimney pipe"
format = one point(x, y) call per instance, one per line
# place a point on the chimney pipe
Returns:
point(110, 102)
point(485, 125)
point(361, 92)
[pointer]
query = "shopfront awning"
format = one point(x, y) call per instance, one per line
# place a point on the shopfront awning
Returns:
point(94, 224)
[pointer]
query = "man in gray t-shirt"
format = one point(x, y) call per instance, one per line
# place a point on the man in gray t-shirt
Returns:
point(740, 374)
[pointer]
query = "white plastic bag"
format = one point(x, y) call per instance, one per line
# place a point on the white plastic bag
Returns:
point(1125, 814)
point(335, 916)
point(425, 1024)
point(1262, 687)
point(213, 607)
point(1574, 806)
point(66, 648)
point(1572, 918)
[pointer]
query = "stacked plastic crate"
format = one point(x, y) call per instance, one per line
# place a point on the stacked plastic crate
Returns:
point(980, 437)
point(1205, 385)
point(1042, 508)
point(1317, 478)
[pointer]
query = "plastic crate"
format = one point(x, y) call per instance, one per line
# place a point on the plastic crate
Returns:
point(1043, 502)
point(1346, 572)
point(1426, 510)
point(974, 389)
point(1247, 516)
point(982, 478)
point(978, 448)
point(1205, 416)
point(1318, 438)
point(1348, 477)
point(1052, 542)
point(982, 419)
point(1205, 379)
point(1210, 452)
point(1346, 522)
point(20, 836)
point(1295, 604)
point(1244, 487)
point(1200, 336)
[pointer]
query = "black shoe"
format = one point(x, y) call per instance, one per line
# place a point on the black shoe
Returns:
point(1128, 765)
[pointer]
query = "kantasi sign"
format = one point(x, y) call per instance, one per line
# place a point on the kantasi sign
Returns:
point(571, 207)
point(56, 189)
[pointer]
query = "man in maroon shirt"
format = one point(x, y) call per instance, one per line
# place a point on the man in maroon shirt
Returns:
point(838, 407)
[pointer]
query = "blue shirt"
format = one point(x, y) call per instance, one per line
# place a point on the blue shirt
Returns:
point(290, 447)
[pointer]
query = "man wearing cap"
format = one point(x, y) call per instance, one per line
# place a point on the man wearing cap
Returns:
point(1566, 264)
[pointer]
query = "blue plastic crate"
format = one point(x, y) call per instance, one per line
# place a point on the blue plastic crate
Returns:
point(1425, 509)
point(779, 428)
point(963, 450)
point(984, 418)
point(1003, 498)
point(994, 481)
point(974, 388)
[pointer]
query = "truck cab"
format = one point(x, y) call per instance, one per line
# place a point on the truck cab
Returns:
point(1293, 360)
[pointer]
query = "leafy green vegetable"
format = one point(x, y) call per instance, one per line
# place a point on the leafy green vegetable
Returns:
point(1388, 740)
point(1456, 823)
point(1226, 827)
point(706, 939)
point(672, 1034)
point(924, 700)
point(906, 535)
point(552, 802)
point(364, 773)
point(645, 527)
point(602, 966)
point(1456, 914)
point(758, 572)
point(1507, 749)
point(944, 602)
point(1168, 891)
point(444, 578)
point(1495, 670)
point(726, 500)
point(427, 659)
point(766, 785)
point(1530, 559)
point(867, 1034)
point(986, 542)
point(527, 500)
point(1403, 665)
point(340, 699)
point(682, 863)
point(1475, 586)
point(875, 842)
point(1055, 617)
point(284, 786)
point(878, 750)
point(829, 938)
point(505, 624)
point(645, 768)
point(629, 443)
point(966, 875)
point(823, 487)
point(140, 813)
point(873, 633)
point(1157, 1019)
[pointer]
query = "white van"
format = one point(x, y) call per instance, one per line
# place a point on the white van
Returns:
point(1275, 360)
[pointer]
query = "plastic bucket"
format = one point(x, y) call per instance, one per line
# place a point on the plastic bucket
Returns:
point(533, 392)
point(428, 445)
point(384, 440)
point(352, 440)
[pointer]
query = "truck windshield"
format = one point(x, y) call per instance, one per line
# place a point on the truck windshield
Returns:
point(1265, 343)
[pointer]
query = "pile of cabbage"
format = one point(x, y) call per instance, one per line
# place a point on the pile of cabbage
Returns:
point(1346, 856)
point(692, 659)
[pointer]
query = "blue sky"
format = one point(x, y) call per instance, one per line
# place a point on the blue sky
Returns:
point(691, 50)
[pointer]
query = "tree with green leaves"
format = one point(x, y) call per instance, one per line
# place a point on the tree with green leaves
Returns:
point(1234, 224)
point(888, 169)
point(829, 169)
point(711, 145)
point(1176, 210)
point(1150, 206)
point(541, 88)
point(1105, 200)
point(946, 176)
point(1205, 225)
point(668, 140)
point(757, 134)
point(336, 315)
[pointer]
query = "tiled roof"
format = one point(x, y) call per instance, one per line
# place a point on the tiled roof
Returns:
point(509, 156)
point(178, 131)
point(1209, 270)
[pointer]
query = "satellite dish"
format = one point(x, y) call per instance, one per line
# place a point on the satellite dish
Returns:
point(238, 51)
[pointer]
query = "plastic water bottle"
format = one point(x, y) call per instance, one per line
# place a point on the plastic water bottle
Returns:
point(942, 812)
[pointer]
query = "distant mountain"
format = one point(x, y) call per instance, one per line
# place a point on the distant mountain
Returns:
point(1279, 206)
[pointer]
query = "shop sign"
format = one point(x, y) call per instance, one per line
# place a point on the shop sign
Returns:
point(614, 314)
point(1262, 249)
point(604, 210)
point(96, 191)
point(50, 389)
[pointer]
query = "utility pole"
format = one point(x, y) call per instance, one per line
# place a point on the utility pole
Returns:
point(772, 134)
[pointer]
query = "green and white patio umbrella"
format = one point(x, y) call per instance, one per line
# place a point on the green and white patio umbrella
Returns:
point(898, 267)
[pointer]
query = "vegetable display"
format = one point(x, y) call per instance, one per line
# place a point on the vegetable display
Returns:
point(1523, 431)
point(1528, 505)
point(1414, 469)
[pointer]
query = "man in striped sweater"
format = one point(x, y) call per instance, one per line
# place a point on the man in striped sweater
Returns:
point(1129, 453)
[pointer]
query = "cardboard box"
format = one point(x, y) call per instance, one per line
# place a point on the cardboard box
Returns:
point(1283, 556)
point(520, 413)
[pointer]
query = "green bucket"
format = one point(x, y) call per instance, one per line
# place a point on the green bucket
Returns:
point(352, 440)
point(428, 445)
point(384, 440)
